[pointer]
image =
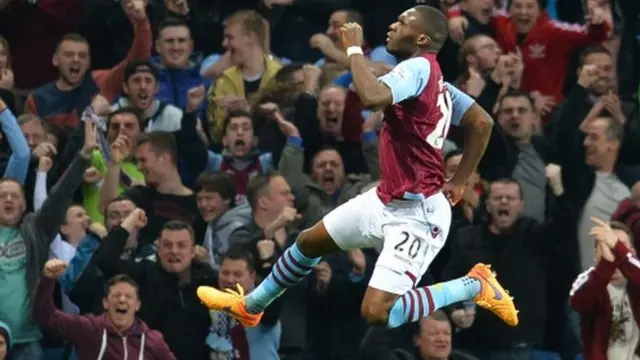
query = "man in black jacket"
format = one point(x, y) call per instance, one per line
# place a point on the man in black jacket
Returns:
point(168, 287)
point(519, 248)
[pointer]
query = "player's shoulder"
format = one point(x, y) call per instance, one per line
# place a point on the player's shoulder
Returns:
point(418, 63)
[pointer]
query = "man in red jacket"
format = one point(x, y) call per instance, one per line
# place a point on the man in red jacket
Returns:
point(112, 336)
point(546, 45)
point(607, 296)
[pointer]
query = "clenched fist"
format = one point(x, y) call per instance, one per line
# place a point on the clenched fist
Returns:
point(195, 97)
point(351, 35)
point(266, 249)
point(135, 221)
point(44, 164)
point(92, 176)
point(120, 149)
point(54, 268)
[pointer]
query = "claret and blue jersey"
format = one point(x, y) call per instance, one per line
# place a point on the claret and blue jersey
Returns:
point(415, 127)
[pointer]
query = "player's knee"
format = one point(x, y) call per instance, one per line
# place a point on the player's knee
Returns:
point(305, 242)
point(375, 313)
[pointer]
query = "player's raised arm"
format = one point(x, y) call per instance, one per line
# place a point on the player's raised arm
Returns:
point(477, 126)
point(373, 94)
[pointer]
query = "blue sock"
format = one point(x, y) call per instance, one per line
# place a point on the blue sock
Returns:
point(420, 302)
point(291, 268)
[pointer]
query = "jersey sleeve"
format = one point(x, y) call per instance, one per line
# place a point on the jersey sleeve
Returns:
point(460, 102)
point(407, 79)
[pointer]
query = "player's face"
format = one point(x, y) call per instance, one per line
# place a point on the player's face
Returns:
point(434, 340)
point(517, 117)
point(330, 110)
point(596, 144)
point(236, 271)
point(404, 34)
point(524, 14)
point(238, 138)
point(604, 65)
point(328, 171)
point(504, 204)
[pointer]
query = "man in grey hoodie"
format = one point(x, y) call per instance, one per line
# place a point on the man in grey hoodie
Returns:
point(24, 247)
point(215, 196)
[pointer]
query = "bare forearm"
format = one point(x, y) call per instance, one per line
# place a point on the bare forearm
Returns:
point(476, 137)
point(110, 187)
point(372, 92)
point(334, 53)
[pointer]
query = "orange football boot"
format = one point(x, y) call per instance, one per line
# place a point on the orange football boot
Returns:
point(229, 301)
point(493, 296)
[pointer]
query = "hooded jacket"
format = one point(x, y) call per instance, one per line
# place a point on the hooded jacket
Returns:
point(216, 239)
point(94, 337)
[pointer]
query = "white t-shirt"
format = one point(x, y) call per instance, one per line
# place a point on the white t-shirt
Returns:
point(624, 336)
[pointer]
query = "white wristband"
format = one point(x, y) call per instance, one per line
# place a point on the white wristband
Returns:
point(353, 50)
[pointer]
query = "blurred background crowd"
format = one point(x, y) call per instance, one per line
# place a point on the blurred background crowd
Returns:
point(232, 126)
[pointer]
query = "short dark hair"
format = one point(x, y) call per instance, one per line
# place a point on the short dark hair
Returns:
point(354, 16)
point(119, 279)
point(16, 181)
point(507, 181)
point(74, 37)
point(326, 147)
point(285, 74)
point(235, 113)
point(217, 182)
point(136, 66)
point(516, 93)
point(161, 142)
point(178, 225)
point(240, 252)
point(259, 186)
point(452, 153)
point(121, 197)
point(434, 24)
point(127, 110)
point(593, 49)
point(171, 22)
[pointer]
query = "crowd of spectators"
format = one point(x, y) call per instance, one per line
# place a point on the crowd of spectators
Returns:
point(150, 147)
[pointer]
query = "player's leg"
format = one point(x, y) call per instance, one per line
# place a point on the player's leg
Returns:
point(292, 267)
point(392, 299)
point(409, 248)
point(339, 229)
